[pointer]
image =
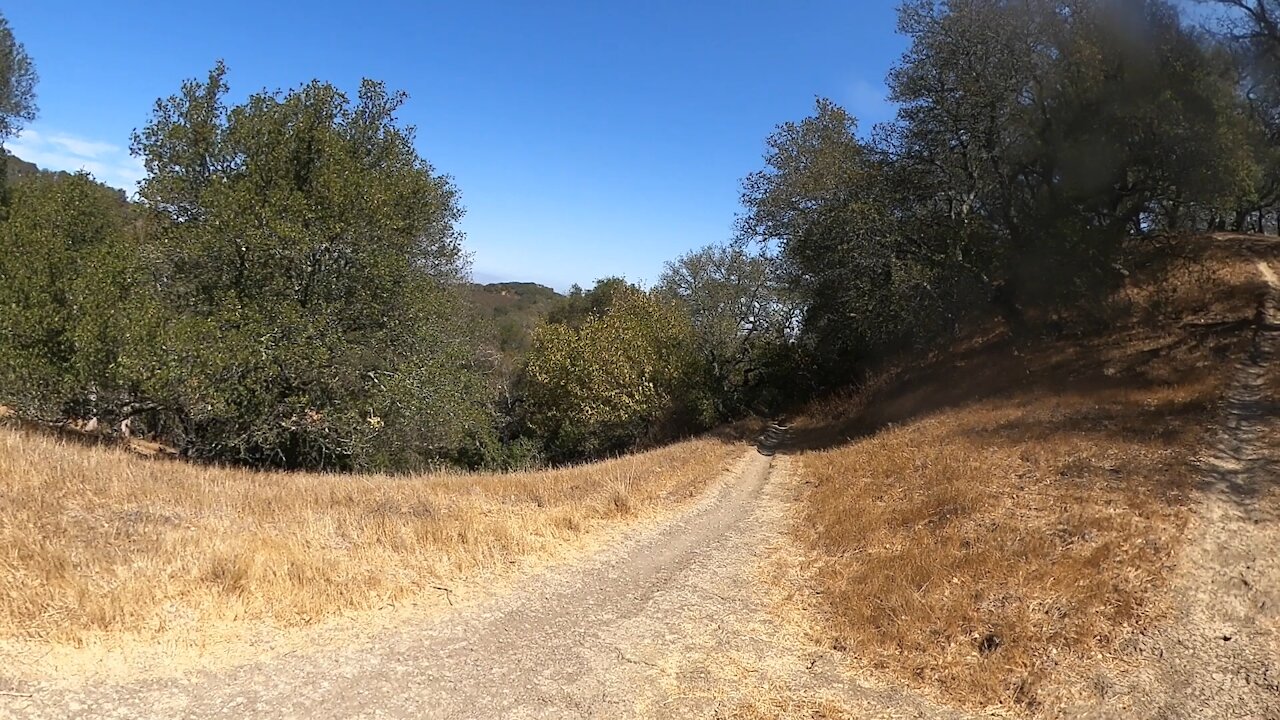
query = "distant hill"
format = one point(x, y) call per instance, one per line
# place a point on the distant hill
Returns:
point(518, 295)
point(16, 169)
point(516, 308)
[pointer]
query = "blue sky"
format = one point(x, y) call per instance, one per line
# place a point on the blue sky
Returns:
point(587, 138)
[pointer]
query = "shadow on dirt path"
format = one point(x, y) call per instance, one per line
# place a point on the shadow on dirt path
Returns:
point(1241, 464)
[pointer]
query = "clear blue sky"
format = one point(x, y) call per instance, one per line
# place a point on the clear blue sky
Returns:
point(587, 138)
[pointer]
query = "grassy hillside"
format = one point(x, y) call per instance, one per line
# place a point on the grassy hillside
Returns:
point(984, 520)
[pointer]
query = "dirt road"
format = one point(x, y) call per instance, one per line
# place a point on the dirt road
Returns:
point(670, 621)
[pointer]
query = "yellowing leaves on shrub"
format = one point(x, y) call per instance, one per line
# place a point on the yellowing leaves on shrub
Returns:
point(612, 381)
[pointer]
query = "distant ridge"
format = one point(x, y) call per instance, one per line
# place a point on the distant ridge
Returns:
point(16, 169)
point(516, 309)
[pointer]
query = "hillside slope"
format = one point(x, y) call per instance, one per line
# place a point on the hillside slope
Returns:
point(1066, 526)
point(1012, 523)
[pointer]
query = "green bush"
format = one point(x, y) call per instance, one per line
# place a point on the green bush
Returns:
point(309, 273)
point(619, 378)
point(65, 278)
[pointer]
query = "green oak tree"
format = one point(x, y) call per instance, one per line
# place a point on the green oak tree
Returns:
point(17, 84)
point(17, 92)
point(309, 263)
point(67, 273)
point(743, 319)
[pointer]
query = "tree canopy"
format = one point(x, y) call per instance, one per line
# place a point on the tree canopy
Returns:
point(17, 84)
point(1032, 141)
point(613, 378)
point(311, 259)
point(290, 287)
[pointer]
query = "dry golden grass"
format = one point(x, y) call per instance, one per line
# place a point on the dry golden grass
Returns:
point(97, 543)
point(1004, 512)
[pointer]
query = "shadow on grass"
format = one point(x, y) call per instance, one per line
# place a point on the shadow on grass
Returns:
point(1096, 369)
point(71, 435)
point(1199, 383)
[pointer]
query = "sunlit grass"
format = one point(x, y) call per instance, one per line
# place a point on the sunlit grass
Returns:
point(97, 542)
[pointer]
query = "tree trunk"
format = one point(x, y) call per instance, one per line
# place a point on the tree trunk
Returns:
point(1238, 225)
point(1005, 300)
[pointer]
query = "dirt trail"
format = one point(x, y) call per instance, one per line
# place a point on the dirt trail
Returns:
point(672, 621)
point(1219, 655)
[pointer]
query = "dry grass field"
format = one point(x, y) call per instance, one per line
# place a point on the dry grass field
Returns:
point(100, 546)
point(981, 521)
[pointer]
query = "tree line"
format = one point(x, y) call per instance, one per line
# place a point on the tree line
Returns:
point(287, 287)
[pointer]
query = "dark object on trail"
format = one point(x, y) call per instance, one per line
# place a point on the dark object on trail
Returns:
point(989, 644)
point(767, 444)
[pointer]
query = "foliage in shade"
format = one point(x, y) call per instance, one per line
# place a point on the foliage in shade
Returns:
point(1032, 141)
point(744, 319)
